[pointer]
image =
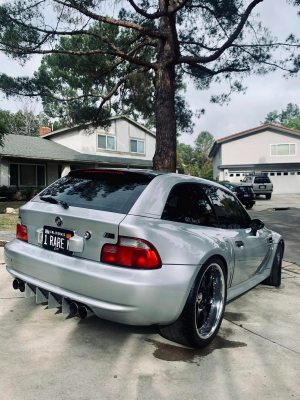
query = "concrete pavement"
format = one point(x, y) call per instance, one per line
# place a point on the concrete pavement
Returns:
point(256, 355)
point(277, 201)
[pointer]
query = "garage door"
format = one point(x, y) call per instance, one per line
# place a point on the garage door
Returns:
point(285, 182)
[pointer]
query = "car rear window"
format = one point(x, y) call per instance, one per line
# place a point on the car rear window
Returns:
point(244, 190)
point(263, 179)
point(114, 191)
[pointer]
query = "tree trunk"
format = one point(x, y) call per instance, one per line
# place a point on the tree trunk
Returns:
point(165, 154)
point(167, 55)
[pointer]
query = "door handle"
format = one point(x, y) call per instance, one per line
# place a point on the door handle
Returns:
point(239, 243)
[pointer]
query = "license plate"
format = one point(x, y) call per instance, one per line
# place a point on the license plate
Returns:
point(57, 239)
point(262, 186)
point(246, 195)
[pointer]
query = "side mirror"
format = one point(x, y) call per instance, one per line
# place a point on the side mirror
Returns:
point(256, 225)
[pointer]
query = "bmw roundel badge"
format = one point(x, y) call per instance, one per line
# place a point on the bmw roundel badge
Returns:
point(58, 221)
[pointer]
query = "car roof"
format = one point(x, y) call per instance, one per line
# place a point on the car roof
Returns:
point(237, 184)
point(152, 174)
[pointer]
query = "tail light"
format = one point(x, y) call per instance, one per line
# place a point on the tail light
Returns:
point(21, 231)
point(131, 252)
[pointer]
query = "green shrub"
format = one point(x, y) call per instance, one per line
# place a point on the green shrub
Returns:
point(7, 193)
point(27, 193)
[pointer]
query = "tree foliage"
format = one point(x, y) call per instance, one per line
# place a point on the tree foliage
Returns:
point(293, 123)
point(83, 78)
point(158, 41)
point(204, 142)
point(3, 125)
point(23, 122)
point(194, 160)
point(291, 112)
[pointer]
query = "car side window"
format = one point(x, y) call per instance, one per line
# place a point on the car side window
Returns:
point(226, 208)
point(188, 204)
point(246, 217)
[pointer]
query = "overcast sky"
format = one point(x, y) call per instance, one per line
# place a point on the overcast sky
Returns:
point(264, 93)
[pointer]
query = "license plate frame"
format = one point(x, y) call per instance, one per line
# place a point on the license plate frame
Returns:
point(262, 187)
point(56, 239)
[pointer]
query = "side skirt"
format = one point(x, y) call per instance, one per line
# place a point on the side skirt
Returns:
point(244, 287)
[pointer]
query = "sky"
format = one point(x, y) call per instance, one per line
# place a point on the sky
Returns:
point(245, 111)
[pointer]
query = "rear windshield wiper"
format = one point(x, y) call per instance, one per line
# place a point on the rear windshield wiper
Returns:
point(52, 200)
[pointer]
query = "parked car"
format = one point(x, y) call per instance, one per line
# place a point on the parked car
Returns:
point(243, 192)
point(142, 248)
point(260, 185)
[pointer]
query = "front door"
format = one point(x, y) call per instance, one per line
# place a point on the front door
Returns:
point(250, 252)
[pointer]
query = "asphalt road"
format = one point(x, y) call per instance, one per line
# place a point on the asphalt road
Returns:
point(287, 223)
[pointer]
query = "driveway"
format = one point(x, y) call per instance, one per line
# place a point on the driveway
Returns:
point(256, 355)
point(277, 201)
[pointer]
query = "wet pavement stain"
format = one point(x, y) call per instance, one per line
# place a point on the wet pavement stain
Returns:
point(169, 352)
point(232, 316)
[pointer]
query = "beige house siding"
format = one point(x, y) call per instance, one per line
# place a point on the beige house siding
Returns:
point(250, 152)
point(256, 149)
point(85, 141)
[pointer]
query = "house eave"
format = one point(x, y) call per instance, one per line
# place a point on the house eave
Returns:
point(87, 125)
point(264, 167)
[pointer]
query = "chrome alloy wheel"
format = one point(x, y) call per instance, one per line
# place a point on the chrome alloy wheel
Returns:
point(210, 301)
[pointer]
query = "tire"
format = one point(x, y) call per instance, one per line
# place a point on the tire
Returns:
point(249, 206)
point(275, 277)
point(200, 320)
point(268, 196)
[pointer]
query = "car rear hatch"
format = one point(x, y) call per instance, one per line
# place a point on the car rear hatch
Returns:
point(245, 192)
point(262, 184)
point(77, 214)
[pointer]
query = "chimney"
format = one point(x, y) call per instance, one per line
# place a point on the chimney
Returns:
point(44, 130)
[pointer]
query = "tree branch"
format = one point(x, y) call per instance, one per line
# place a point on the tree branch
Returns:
point(120, 54)
point(265, 62)
point(116, 87)
point(227, 44)
point(158, 14)
point(211, 72)
point(277, 44)
point(112, 21)
point(51, 32)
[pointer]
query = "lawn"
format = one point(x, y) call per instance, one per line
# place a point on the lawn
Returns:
point(13, 204)
point(8, 222)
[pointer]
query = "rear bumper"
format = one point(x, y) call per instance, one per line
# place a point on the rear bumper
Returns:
point(136, 297)
point(247, 202)
point(263, 191)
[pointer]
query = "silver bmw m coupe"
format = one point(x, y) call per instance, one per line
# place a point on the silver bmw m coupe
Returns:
point(142, 248)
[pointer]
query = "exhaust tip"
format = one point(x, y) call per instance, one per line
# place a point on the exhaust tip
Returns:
point(15, 284)
point(22, 286)
point(73, 309)
point(82, 312)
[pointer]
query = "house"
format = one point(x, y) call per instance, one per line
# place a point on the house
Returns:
point(268, 149)
point(39, 161)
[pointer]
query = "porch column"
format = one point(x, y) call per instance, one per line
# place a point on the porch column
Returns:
point(4, 173)
point(66, 168)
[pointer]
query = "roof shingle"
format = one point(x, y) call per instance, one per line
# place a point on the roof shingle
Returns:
point(39, 148)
